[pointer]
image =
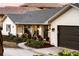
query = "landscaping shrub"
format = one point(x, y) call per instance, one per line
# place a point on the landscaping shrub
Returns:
point(19, 40)
point(12, 38)
point(64, 53)
point(37, 43)
point(48, 39)
point(67, 53)
point(24, 37)
point(37, 37)
point(9, 38)
point(75, 53)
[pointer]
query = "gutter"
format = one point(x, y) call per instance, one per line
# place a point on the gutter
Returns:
point(30, 23)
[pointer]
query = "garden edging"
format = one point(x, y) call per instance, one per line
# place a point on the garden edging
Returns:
point(44, 51)
point(21, 45)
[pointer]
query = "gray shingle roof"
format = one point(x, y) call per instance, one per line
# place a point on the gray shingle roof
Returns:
point(16, 10)
point(45, 5)
point(33, 17)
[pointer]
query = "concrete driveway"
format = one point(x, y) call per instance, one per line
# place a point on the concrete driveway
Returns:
point(28, 51)
point(17, 52)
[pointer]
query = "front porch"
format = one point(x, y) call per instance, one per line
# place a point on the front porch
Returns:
point(41, 30)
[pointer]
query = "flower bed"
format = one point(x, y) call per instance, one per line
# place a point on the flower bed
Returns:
point(37, 44)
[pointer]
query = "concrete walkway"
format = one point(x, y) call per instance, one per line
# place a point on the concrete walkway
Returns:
point(18, 52)
point(45, 51)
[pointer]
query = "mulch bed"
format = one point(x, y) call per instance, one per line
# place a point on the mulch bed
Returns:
point(48, 45)
point(45, 46)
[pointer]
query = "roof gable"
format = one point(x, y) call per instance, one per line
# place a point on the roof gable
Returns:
point(63, 10)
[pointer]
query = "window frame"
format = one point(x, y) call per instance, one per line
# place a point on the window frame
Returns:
point(8, 27)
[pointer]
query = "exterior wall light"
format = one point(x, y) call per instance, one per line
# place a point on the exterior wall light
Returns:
point(53, 29)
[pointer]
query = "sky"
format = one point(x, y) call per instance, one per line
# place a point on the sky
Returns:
point(39, 1)
point(10, 4)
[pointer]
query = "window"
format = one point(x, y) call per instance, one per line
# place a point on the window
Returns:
point(8, 27)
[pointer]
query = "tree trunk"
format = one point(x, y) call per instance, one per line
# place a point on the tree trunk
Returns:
point(1, 43)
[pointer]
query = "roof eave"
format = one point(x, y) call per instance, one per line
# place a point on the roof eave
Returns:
point(31, 23)
point(74, 6)
point(3, 18)
point(66, 8)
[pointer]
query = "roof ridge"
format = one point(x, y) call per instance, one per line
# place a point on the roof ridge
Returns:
point(42, 10)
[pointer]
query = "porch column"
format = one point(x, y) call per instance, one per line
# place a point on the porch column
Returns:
point(49, 31)
point(40, 30)
point(31, 30)
point(19, 29)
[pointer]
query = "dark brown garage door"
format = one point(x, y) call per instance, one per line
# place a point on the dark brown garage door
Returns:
point(68, 36)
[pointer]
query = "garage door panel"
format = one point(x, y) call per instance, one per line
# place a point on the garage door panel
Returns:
point(68, 27)
point(68, 36)
point(72, 33)
point(70, 39)
point(69, 45)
